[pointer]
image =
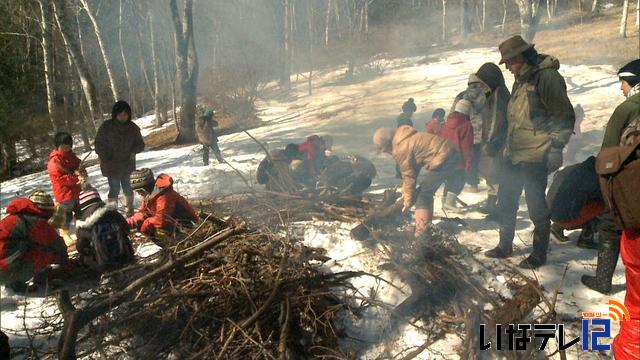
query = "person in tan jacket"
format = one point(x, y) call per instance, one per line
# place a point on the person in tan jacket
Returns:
point(414, 151)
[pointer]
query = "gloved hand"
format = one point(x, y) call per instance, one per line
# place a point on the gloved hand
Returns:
point(554, 159)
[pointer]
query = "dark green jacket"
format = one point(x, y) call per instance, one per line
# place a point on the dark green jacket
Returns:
point(539, 112)
point(620, 119)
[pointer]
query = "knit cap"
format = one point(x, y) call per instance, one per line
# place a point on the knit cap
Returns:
point(630, 73)
point(88, 197)
point(42, 200)
point(409, 106)
point(463, 106)
point(141, 178)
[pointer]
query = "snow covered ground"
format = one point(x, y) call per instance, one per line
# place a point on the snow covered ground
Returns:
point(350, 113)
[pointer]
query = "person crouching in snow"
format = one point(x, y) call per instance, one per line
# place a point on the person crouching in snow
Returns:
point(207, 137)
point(65, 170)
point(103, 233)
point(413, 151)
point(162, 208)
point(28, 243)
point(459, 132)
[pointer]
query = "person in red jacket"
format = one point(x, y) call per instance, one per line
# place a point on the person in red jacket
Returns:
point(28, 243)
point(162, 208)
point(437, 121)
point(64, 167)
point(314, 152)
point(459, 132)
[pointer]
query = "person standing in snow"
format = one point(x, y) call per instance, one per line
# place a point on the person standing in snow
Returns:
point(610, 232)
point(413, 151)
point(207, 136)
point(459, 132)
point(540, 121)
point(408, 108)
point(162, 208)
point(28, 243)
point(64, 168)
point(437, 121)
point(489, 95)
point(117, 142)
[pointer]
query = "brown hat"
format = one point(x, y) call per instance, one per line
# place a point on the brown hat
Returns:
point(513, 47)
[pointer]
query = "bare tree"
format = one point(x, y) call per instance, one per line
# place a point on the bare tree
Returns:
point(130, 89)
point(638, 16)
point(63, 17)
point(103, 50)
point(187, 66)
point(465, 23)
point(285, 76)
point(327, 22)
point(595, 8)
point(504, 14)
point(160, 116)
point(529, 18)
point(310, 22)
point(623, 20)
point(47, 59)
point(444, 20)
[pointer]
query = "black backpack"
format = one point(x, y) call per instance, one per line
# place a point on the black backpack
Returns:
point(110, 245)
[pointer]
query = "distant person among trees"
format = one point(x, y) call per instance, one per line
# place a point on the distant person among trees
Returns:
point(434, 126)
point(408, 108)
point(117, 142)
point(207, 136)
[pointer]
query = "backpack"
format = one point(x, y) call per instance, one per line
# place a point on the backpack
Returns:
point(619, 170)
point(262, 174)
point(111, 246)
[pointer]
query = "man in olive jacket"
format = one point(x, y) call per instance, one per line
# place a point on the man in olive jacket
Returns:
point(117, 142)
point(540, 120)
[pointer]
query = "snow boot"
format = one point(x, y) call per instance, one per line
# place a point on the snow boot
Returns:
point(557, 235)
point(502, 251)
point(450, 202)
point(589, 237)
point(68, 240)
point(534, 261)
point(422, 219)
point(607, 261)
point(129, 210)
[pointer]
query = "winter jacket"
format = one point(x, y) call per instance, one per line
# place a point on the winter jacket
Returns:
point(353, 176)
point(275, 173)
point(434, 127)
point(163, 209)
point(459, 132)
point(313, 148)
point(539, 112)
point(622, 116)
point(116, 146)
point(204, 130)
point(27, 242)
point(89, 218)
point(404, 119)
point(64, 182)
point(412, 151)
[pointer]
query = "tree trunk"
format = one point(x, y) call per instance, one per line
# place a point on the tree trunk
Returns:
point(130, 89)
point(103, 50)
point(484, 14)
point(156, 83)
point(623, 20)
point(310, 21)
point(47, 59)
point(285, 76)
point(529, 18)
point(504, 14)
point(187, 66)
point(595, 8)
point(465, 24)
point(444, 20)
point(638, 16)
point(143, 63)
point(86, 80)
point(327, 22)
point(336, 8)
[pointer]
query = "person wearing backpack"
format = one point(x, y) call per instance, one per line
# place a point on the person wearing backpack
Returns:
point(28, 243)
point(540, 121)
point(618, 165)
point(162, 208)
point(102, 232)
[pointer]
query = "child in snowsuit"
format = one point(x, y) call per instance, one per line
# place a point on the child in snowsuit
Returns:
point(437, 121)
point(162, 208)
point(207, 137)
point(459, 132)
point(103, 233)
point(28, 243)
point(64, 169)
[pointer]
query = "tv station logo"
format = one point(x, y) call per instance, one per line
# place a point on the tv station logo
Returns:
point(595, 326)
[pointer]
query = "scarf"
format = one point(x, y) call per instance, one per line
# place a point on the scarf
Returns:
point(634, 90)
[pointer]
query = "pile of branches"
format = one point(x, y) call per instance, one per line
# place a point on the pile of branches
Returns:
point(221, 291)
